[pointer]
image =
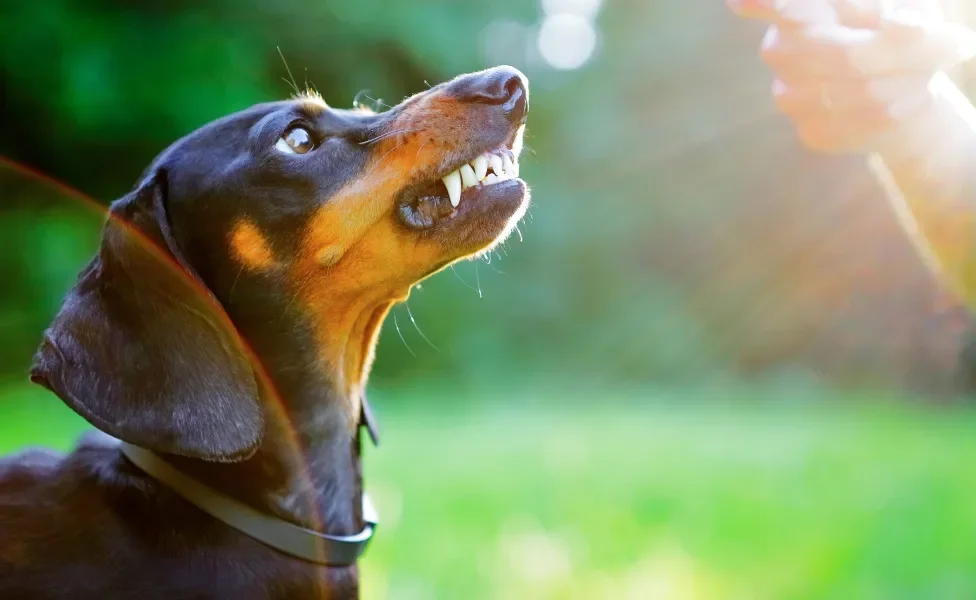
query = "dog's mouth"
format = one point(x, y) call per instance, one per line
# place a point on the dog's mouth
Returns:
point(489, 178)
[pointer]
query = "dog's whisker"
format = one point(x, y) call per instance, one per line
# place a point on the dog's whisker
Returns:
point(356, 102)
point(417, 327)
point(519, 232)
point(379, 102)
point(389, 134)
point(294, 84)
point(294, 297)
point(459, 278)
point(291, 85)
point(380, 161)
point(230, 295)
point(490, 266)
point(400, 333)
point(381, 137)
point(477, 280)
point(421, 147)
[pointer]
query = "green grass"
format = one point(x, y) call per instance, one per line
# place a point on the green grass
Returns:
point(663, 498)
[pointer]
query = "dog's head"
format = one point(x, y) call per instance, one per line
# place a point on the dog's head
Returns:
point(286, 220)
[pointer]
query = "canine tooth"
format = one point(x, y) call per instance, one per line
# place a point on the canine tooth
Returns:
point(490, 179)
point(452, 181)
point(480, 165)
point(467, 176)
point(496, 164)
point(507, 164)
point(515, 168)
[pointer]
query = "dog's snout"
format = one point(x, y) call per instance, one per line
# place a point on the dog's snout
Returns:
point(505, 87)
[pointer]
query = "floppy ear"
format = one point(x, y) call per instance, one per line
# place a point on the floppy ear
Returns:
point(142, 349)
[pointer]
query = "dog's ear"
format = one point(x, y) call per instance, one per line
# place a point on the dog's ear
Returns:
point(142, 349)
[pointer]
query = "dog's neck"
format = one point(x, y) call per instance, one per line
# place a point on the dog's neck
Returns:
point(307, 469)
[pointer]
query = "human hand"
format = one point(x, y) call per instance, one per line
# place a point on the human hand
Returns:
point(850, 76)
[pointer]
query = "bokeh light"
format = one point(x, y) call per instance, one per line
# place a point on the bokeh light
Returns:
point(566, 41)
point(581, 8)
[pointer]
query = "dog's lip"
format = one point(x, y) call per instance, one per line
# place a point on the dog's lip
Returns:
point(473, 198)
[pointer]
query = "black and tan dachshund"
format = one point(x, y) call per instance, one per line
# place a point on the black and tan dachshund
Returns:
point(227, 325)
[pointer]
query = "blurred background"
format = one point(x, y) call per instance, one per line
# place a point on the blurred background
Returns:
point(711, 367)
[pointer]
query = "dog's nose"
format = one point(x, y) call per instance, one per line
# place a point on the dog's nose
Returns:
point(505, 87)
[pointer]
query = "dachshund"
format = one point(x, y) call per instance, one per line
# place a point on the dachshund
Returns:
point(226, 329)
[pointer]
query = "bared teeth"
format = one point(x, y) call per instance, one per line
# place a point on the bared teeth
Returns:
point(496, 164)
point(475, 173)
point(480, 165)
point(452, 181)
point(467, 176)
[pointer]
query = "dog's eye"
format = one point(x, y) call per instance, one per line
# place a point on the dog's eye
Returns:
point(296, 140)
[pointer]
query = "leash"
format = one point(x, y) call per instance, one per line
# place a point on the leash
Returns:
point(312, 546)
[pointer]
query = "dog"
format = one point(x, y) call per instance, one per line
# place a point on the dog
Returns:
point(224, 333)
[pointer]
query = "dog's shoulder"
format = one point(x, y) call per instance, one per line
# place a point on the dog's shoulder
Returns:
point(87, 524)
point(28, 469)
point(58, 513)
point(39, 485)
point(35, 469)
